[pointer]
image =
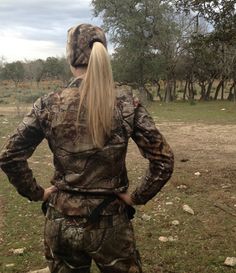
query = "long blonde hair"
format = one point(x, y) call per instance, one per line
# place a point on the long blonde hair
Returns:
point(97, 95)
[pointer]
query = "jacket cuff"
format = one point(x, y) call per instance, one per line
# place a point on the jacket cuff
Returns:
point(136, 199)
point(38, 194)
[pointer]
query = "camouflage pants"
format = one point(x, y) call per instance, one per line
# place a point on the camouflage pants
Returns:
point(70, 247)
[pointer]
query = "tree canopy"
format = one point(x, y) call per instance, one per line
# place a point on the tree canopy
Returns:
point(170, 41)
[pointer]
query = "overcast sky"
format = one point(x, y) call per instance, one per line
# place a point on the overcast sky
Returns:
point(32, 29)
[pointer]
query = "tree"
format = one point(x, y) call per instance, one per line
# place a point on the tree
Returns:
point(138, 29)
point(52, 67)
point(149, 37)
point(65, 72)
point(221, 14)
point(57, 68)
point(14, 71)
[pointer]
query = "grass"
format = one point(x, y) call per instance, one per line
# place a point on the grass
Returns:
point(26, 92)
point(220, 112)
point(204, 240)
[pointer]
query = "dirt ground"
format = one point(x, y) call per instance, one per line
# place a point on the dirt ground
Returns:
point(211, 147)
point(204, 178)
point(204, 148)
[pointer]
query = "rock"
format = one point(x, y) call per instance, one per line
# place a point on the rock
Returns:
point(44, 270)
point(230, 261)
point(10, 265)
point(18, 251)
point(197, 173)
point(188, 209)
point(168, 239)
point(146, 217)
point(163, 239)
point(172, 239)
point(226, 186)
point(175, 223)
point(182, 187)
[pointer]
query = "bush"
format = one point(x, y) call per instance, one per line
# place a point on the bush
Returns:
point(27, 98)
point(5, 95)
point(3, 101)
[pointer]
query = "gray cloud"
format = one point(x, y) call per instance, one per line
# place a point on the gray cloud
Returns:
point(44, 20)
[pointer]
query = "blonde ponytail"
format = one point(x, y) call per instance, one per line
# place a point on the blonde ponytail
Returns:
point(97, 95)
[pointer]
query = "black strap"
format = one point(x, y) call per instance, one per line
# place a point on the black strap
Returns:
point(94, 216)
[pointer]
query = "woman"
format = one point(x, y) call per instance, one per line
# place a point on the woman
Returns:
point(88, 126)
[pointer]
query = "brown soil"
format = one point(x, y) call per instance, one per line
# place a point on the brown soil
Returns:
point(208, 149)
point(206, 146)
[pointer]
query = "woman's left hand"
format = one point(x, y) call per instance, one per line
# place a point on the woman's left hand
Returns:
point(126, 197)
point(48, 191)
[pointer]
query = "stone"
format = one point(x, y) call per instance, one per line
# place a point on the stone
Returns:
point(230, 261)
point(18, 251)
point(182, 187)
point(197, 173)
point(168, 239)
point(188, 209)
point(175, 223)
point(10, 265)
point(146, 217)
point(163, 239)
point(172, 239)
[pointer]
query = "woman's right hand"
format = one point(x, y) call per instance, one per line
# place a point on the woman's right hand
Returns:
point(126, 197)
point(48, 191)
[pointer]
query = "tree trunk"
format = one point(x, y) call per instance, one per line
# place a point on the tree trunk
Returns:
point(203, 91)
point(222, 91)
point(185, 90)
point(208, 93)
point(168, 91)
point(231, 95)
point(174, 90)
point(148, 94)
point(191, 91)
point(218, 89)
point(158, 90)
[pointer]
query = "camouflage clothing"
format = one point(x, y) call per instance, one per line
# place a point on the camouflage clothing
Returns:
point(80, 168)
point(84, 176)
point(80, 40)
point(70, 247)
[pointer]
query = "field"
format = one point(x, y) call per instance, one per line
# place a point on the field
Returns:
point(203, 137)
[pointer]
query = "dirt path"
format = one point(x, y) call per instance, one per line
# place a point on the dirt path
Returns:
point(202, 144)
point(207, 149)
point(14, 110)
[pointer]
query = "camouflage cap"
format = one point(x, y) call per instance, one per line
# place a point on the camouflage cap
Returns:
point(80, 40)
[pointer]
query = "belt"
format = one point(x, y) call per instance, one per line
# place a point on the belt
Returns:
point(103, 221)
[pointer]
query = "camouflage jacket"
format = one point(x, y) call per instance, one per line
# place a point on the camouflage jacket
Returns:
point(84, 174)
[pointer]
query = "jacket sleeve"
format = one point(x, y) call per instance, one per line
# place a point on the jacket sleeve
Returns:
point(19, 147)
point(154, 147)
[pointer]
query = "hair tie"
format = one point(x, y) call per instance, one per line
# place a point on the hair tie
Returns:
point(93, 41)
